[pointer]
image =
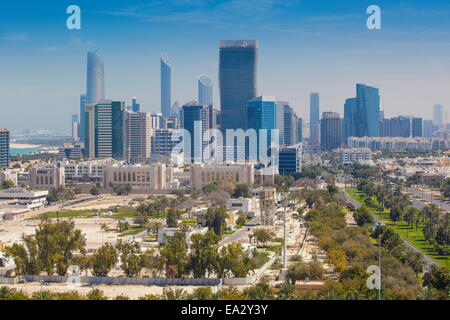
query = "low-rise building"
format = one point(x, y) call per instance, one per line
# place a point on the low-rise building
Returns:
point(205, 174)
point(9, 175)
point(352, 155)
point(21, 198)
point(250, 206)
point(167, 233)
point(47, 177)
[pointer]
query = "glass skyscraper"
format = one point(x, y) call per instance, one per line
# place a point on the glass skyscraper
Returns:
point(367, 120)
point(195, 120)
point(205, 91)
point(330, 131)
point(4, 148)
point(237, 81)
point(166, 69)
point(438, 115)
point(314, 117)
point(349, 118)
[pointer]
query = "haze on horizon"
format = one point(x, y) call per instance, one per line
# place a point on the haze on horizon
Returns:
point(305, 46)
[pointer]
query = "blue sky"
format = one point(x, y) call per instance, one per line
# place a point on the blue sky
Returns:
point(305, 46)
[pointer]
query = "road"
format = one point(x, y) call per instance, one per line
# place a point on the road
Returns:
point(242, 232)
point(428, 197)
point(429, 262)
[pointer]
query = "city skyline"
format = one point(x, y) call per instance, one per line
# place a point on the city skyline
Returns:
point(327, 51)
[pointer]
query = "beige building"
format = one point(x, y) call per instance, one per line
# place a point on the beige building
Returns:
point(9, 175)
point(141, 177)
point(205, 174)
point(46, 177)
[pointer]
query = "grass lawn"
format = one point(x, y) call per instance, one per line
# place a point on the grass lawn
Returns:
point(133, 231)
point(63, 214)
point(410, 234)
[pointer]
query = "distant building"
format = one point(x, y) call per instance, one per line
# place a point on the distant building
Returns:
point(152, 177)
point(205, 91)
point(166, 70)
point(164, 141)
point(21, 198)
point(330, 131)
point(314, 117)
point(438, 116)
point(350, 156)
point(195, 120)
point(428, 128)
point(72, 152)
point(290, 160)
point(399, 143)
point(417, 127)
point(4, 148)
point(47, 177)
point(139, 136)
point(9, 175)
point(135, 105)
point(299, 130)
point(105, 124)
point(206, 174)
point(250, 206)
point(290, 125)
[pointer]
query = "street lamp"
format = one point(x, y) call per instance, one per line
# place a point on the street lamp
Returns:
point(379, 224)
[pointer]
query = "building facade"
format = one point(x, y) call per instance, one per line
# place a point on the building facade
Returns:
point(166, 85)
point(205, 174)
point(139, 136)
point(4, 148)
point(314, 117)
point(47, 177)
point(330, 131)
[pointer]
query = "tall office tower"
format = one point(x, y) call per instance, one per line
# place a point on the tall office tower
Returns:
point(438, 116)
point(195, 120)
point(400, 127)
point(261, 114)
point(385, 127)
point(105, 124)
point(349, 118)
point(367, 114)
point(166, 69)
point(139, 136)
point(314, 117)
point(330, 131)
point(4, 148)
point(81, 128)
point(170, 123)
point(135, 105)
point(289, 125)
point(74, 124)
point(205, 91)
point(163, 142)
point(381, 112)
point(299, 130)
point(237, 81)
point(157, 120)
point(428, 128)
point(417, 127)
point(95, 90)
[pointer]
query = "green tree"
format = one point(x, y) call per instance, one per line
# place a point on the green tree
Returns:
point(129, 253)
point(234, 260)
point(103, 260)
point(173, 215)
point(242, 190)
point(263, 235)
point(204, 254)
point(216, 219)
point(363, 217)
point(175, 256)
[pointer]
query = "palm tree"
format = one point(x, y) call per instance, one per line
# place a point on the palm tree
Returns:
point(416, 261)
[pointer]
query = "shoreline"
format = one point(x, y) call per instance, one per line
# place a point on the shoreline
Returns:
point(23, 146)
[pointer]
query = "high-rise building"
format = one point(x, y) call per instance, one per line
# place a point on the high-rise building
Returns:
point(299, 130)
point(139, 136)
point(135, 105)
point(400, 127)
point(157, 120)
point(367, 114)
point(82, 129)
point(417, 127)
point(428, 128)
point(331, 131)
point(4, 148)
point(105, 124)
point(290, 124)
point(385, 127)
point(289, 160)
point(205, 91)
point(261, 114)
point(195, 120)
point(163, 142)
point(75, 126)
point(438, 115)
point(166, 69)
point(314, 117)
point(237, 81)
point(349, 118)
point(95, 90)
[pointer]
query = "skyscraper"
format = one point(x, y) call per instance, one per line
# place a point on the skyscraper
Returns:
point(289, 126)
point(438, 115)
point(166, 78)
point(4, 148)
point(105, 124)
point(261, 114)
point(95, 90)
point(417, 128)
point(205, 91)
point(400, 127)
point(349, 118)
point(428, 128)
point(367, 114)
point(330, 131)
point(195, 120)
point(75, 126)
point(82, 129)
point(237, 81)
point(314, 117)
point(135, 105)
point(299, 130)
point(139, 136)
